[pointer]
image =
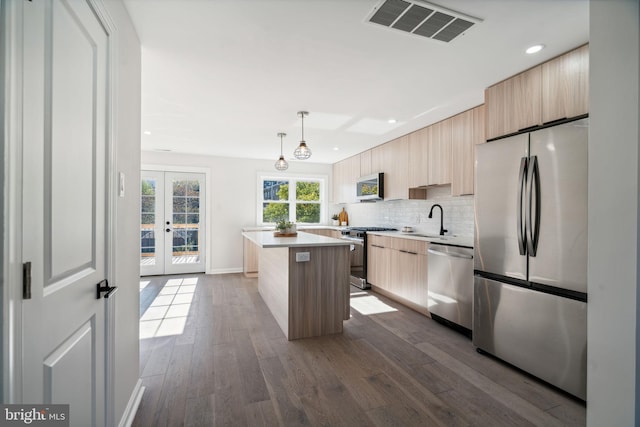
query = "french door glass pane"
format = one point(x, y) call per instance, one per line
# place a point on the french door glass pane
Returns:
point(186, 220)
point(147, 222)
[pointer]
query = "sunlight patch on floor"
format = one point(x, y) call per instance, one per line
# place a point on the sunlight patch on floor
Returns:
point(167, 314)
point(435, 299)
point(368, 304)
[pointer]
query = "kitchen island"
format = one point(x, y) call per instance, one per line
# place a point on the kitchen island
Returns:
point(304, 280)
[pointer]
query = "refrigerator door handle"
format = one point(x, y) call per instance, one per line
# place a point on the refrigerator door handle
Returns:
point(533, 206)
point(522, 238)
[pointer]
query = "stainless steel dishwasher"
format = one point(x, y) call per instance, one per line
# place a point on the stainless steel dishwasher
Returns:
point(450, 283)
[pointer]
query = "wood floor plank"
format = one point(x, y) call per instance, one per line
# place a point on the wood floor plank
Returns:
point(232, 365)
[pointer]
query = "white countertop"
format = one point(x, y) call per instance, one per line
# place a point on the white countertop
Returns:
point(444, 240)
point(266, 239)
point(299, 227)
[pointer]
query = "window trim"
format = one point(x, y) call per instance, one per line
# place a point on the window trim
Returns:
point(292, 177)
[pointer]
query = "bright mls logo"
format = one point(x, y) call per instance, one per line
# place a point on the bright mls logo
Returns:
point(34, 415)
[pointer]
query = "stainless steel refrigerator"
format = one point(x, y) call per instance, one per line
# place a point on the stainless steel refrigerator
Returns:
point(530, 260)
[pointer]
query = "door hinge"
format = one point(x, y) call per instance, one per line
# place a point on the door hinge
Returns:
point(26, 280)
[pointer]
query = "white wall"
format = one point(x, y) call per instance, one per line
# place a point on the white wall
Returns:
point(233, 198)
point(612, 371)
point(127, 145)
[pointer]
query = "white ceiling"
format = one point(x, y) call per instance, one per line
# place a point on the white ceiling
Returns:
point(223, 77)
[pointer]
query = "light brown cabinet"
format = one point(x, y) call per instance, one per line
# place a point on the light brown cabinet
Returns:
point(554, 90)
point(365, 163)
point(392, 158)
point(479, 136)
point(397, 268)
point(514, 104)
point(467, 131)
point(345, 175)
point(565, 85)
point(250, 257)
point(418, 157)
point(379, 261)
point(439, 153)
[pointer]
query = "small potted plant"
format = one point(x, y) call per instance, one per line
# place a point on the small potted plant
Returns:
point(285, 227)
point(336, 219)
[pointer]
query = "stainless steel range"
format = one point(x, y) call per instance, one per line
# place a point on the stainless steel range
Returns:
point(358, 254)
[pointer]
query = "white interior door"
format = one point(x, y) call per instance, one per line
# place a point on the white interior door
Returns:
point(64, 206)
point(172, 226)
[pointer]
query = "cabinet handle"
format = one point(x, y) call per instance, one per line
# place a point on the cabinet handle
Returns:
point(408, 252)
point(377, 246)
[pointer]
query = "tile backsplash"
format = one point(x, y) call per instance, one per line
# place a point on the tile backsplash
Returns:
point(458, 213)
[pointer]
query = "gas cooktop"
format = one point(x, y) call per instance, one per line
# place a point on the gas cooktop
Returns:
point(372, 229)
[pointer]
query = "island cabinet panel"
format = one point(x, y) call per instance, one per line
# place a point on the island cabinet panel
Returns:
point(250, 258)
point(418, 157)
point(565, 85)
point(514, 104)
point(273, 283)
point(463, 154)
point(318, 291)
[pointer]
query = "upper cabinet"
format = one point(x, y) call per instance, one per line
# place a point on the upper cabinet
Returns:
point(462, 148)
point(514, 104)
point(439, 153)
point(365, 163)
point(430, 155)
point(345, 175)
point(392, 158)
point(554, 90)
point(565, 85)
point(418, 157)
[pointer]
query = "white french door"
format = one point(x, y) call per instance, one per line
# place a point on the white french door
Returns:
point(65, 128)
point(172, 223)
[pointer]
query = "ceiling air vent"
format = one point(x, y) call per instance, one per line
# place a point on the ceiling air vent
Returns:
point(422, 19)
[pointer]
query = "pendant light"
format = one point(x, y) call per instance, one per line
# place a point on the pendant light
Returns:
point(302, 152)
point(281, 164)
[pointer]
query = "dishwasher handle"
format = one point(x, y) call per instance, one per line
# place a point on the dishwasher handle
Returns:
point(449, 254)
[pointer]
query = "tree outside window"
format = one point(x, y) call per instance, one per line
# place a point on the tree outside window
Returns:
point(301, 205)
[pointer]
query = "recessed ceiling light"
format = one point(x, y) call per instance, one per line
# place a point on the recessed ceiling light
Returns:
point(336, 148)
point(391, 121)
point(534, 49)
point(147, 132)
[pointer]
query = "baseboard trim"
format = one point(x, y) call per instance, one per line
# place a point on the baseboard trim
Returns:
point(225, 271)
point(132, 406)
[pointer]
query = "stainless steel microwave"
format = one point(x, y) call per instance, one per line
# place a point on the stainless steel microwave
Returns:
point(370, 187)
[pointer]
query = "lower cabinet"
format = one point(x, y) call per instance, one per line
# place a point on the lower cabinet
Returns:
point(250, 258)
point(397, 268)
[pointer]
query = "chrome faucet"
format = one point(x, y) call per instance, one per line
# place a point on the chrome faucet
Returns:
point(442, 230)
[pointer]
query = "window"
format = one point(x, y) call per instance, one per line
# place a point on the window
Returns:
point(296, 199)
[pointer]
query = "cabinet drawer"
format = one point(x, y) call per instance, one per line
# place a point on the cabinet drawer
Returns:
point(382, 241)
point(409, 245)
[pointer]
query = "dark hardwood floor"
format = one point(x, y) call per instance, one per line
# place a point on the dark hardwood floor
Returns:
point(211, 354)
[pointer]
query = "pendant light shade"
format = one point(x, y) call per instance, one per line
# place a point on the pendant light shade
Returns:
point(302, 152)
point(281, 164)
